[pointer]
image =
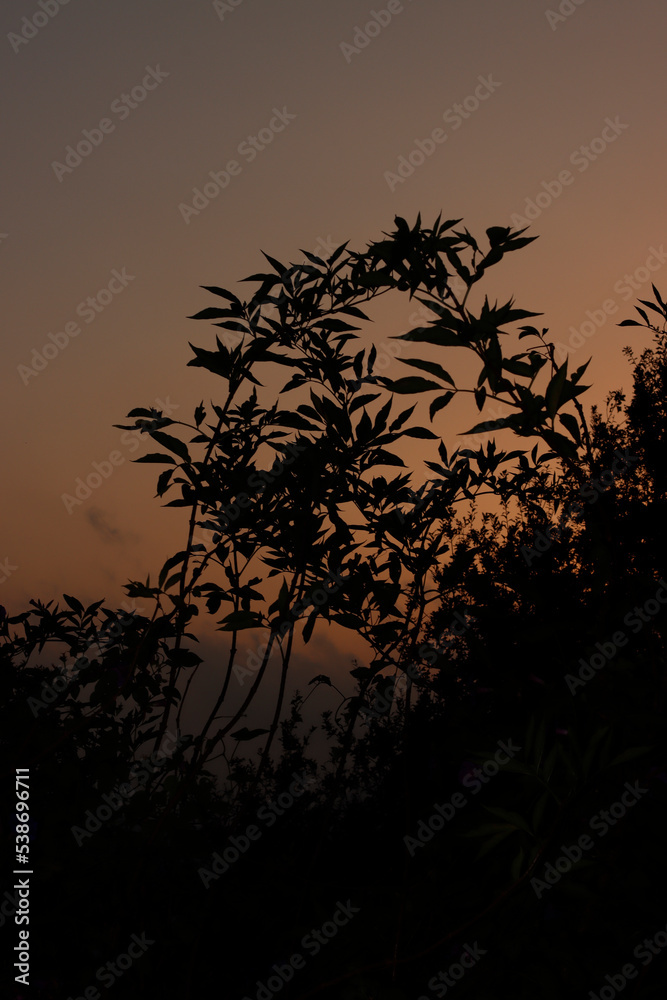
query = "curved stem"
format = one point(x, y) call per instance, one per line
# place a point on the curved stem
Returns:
point(173, 673)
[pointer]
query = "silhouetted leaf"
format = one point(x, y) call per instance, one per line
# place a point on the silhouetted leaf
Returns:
point(173, 444)
point(362, 400)
point(248, 734)
point(517, 367)
point(174, 560)
point(381, 457)
point(410, 384)
point(493, 425)
point(401, 418)
point(437, 335)
point(348, 620)
point(630, 754)
point(155, 456)
point(440, 403)
point(74, 604)
point(239, 620)
point(224, 293)
point(419, 432)
point(211, 312)
point(333, 324)
point(555, 389)
point(572, 424)
point(280, 268)
point(431, 367)
point(497, 234)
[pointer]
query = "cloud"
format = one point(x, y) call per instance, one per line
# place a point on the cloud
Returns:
point(97, 519)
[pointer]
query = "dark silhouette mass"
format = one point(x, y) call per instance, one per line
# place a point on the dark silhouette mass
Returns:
point(489, 810)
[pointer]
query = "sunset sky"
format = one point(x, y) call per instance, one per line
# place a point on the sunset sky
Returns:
point(335, 110)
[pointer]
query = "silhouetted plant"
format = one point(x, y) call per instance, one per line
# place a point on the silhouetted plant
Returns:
point(404, 562)
point(323, 511)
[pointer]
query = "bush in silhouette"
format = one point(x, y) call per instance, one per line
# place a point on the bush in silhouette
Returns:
point(473, 620)
point(335, 535)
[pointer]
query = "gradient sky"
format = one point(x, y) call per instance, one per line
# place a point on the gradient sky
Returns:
point(223, 70)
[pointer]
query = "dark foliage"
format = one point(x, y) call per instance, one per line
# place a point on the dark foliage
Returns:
point(514, 688)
